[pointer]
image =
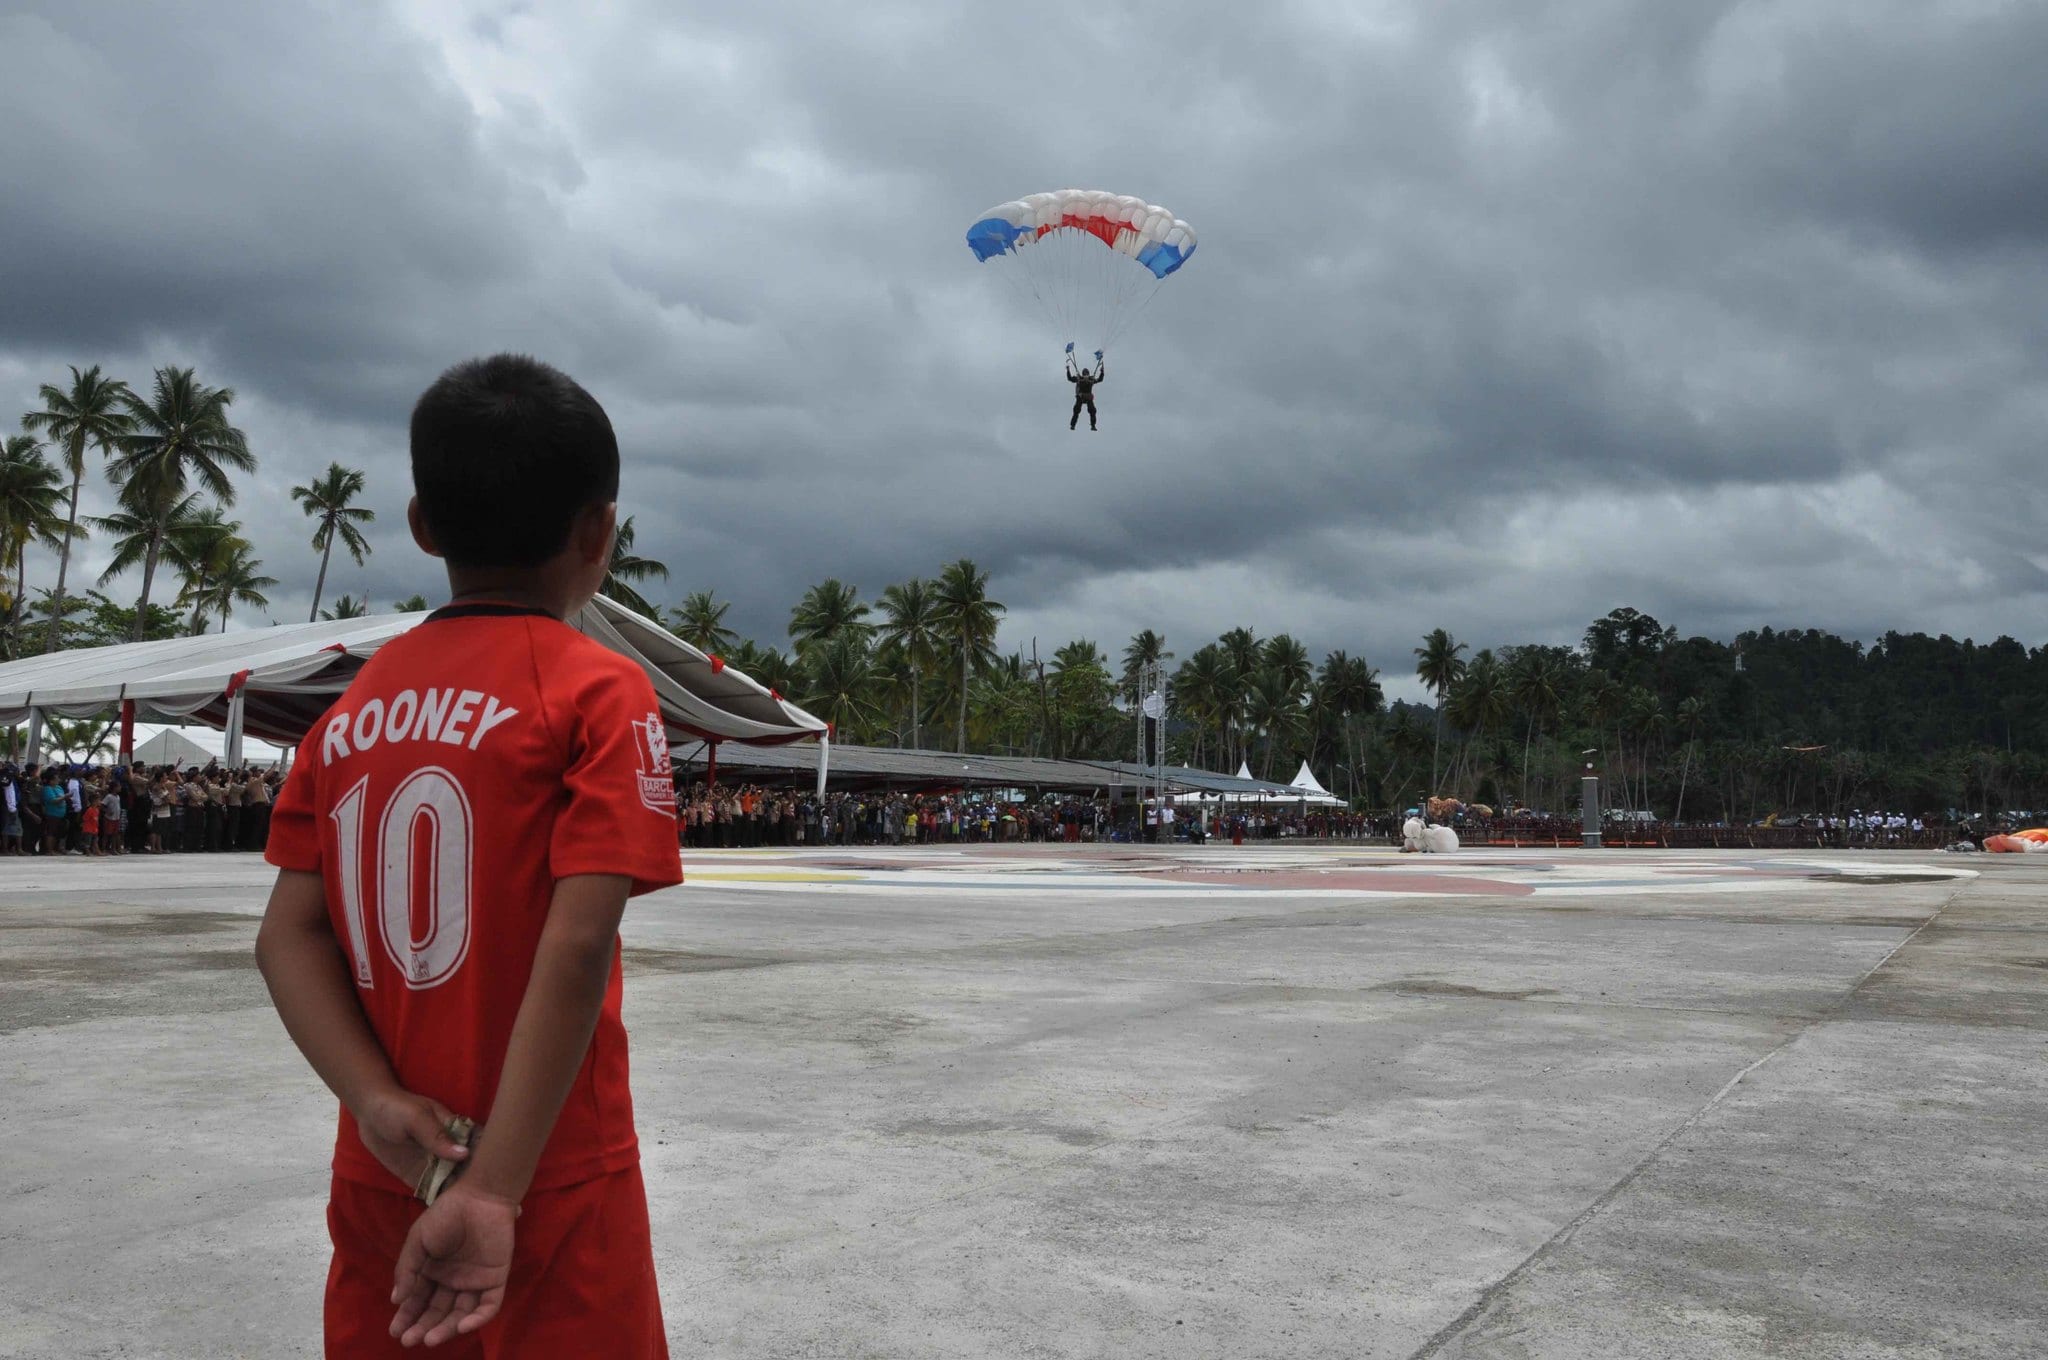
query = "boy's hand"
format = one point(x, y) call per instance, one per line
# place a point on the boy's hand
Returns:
point(405, 1131)
point(452, 1270)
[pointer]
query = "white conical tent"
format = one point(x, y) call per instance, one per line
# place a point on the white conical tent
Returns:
point(1311, 788)
point(1244, 769)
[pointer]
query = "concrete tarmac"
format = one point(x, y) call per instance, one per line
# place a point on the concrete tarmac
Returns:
point(1574, 1105)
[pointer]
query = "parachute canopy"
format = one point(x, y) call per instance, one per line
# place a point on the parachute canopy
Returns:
point(1090, 260)
point(2033, 840)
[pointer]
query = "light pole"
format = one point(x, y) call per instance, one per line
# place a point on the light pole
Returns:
point(1589, 800)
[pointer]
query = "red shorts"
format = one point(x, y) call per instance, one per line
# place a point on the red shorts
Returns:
point(582, 1276)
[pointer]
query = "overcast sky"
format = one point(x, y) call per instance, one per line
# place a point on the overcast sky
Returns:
point(1506, 312)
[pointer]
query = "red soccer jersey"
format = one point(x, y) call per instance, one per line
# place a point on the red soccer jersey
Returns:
point(474, 761)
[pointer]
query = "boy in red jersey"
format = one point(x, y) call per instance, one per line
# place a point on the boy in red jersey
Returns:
point(455, 848)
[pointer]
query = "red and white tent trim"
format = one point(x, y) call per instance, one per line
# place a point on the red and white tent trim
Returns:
point(274, 682)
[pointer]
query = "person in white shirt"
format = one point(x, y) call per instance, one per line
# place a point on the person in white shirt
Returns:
point(76, 794)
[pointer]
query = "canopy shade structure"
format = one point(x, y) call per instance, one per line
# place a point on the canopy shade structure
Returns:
point(879, 767)
point(1185, 779)
point(275, 682)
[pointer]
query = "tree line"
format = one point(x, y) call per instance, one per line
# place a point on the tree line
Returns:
point(1799, 720)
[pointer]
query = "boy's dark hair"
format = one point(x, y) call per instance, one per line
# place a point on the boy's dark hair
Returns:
point(506, 452)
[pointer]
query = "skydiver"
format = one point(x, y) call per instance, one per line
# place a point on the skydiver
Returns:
point(1084, 388)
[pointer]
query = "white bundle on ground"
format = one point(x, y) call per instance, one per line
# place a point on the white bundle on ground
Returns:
point(1432, 839)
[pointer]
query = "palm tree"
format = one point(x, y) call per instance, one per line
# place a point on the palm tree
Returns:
point(1692, 715)
point(842, 682)
point(238, 580)
point(626, 568)
point(968, 619)
point(1480, 702)
point(828, 610)
point(330, 500)
point(1438, 665)
point(181, 435)
point(1203, 692)
point(1272, 707)
point(346, 607)
point(1348, 687)
point(910, 631)
point(700, 621)
point(1146, 649)
point(1645, 718)
point(1245, 653)
point(1290, 659)
point(767, 666)
point(31, 490)
point(139, 531)
point(93, 414)
point(199, 547)
point(412, 604)
point(1536, 686)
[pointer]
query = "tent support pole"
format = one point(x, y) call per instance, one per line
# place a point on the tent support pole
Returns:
point(824, 760)
point(34, 754)
point(237, 709)
point(711, 768)
point(125, 754)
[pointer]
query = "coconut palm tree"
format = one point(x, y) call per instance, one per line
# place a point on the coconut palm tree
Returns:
point(1438, 665)
point(346, 607)
point(910, 631)
point(1479, 703)
point(842, 682)
point(1644, 715)
point(139, 531)
point(179, 437)
point(92, 414)
point(1273, 708)
point(700, 621)
point(31, 497)
point(1536, 687)
point(828, 610)
point(1203, 692)
point(1146, 649)
point(1692, 716)
point(1349, 688)
point(1289, 658)
point(199, 547)
point(767, 666)
point(627, 569)
point(330, 501)
point(968, 619)
point(238, 580)
point(1245, 652)
point(412, 604)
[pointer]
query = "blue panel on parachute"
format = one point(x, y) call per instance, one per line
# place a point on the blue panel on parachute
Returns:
point(992, 236)
point(1163, 259)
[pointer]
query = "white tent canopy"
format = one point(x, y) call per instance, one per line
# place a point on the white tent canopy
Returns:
point(156, 744)
point(1311, 787)
point(274, 682)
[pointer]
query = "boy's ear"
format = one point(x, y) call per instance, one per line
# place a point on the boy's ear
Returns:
point(418, 524)
point(594, 530)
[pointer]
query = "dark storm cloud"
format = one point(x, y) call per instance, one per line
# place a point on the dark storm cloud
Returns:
point(1504, 314)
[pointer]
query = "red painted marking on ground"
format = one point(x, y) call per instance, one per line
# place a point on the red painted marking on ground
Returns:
point(1342, 881)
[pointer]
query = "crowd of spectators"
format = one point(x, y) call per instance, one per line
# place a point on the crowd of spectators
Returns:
point(94, 811)
point(743, 815)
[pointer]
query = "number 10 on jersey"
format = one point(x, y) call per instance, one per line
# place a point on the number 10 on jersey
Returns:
point(431, 956)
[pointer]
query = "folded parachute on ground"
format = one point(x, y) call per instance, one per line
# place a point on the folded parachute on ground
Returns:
point(2033, 840)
